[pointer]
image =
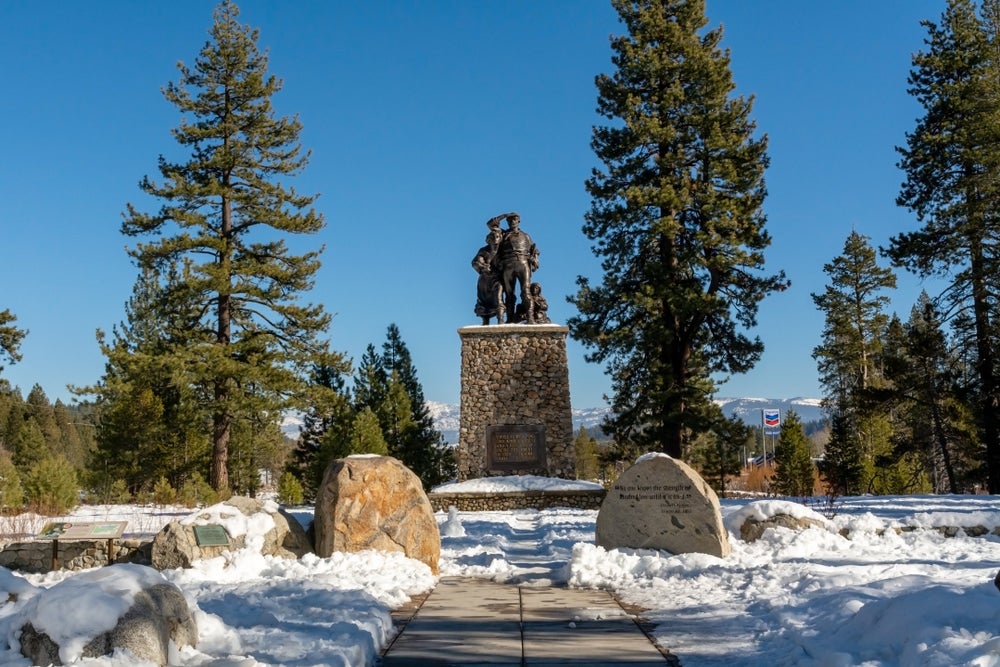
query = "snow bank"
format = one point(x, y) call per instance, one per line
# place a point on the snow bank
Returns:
point(82, 607)
point(516, 483)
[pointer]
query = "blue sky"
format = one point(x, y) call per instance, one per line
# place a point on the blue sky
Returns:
point(426, 118)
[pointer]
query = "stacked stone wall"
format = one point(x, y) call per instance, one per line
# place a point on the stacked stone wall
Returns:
point(516, 500)
point(515, 375)
point(36, 557)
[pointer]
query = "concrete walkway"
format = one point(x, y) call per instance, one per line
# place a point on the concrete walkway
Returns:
point(471, 622)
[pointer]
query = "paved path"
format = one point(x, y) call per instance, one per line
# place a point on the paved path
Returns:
point(472, 622)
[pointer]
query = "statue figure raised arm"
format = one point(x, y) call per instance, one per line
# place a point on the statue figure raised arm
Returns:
point(516, 258)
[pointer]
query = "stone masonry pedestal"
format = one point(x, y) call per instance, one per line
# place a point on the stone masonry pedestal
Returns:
point(515, 408)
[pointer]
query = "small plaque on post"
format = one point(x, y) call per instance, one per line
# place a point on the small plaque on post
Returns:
point(211, 535)
point(515, 447)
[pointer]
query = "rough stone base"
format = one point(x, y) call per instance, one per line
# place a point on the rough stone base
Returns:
point(515, 375)
point(36, 557)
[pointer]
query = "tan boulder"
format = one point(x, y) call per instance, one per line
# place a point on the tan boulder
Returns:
point(752, 529)
point(662, 503)
point(375, 502)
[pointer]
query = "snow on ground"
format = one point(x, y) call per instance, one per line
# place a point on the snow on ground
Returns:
point(894, 592)
point(517, 483)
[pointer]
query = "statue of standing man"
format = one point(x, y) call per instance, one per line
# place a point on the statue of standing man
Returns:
point(516, 258)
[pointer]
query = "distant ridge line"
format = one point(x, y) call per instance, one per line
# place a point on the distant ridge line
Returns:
point(446, 415)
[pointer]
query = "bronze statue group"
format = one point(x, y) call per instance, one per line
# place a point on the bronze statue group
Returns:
point(505, 265)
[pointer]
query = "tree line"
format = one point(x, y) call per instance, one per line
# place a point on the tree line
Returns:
point(125, 448)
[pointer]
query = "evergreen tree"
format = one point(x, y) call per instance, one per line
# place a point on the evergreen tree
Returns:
point(366, 435)
point(850, 357)
point(842, 466)
point(396, 358)
point(676, 218)
point(371, 381)
point(50, 486)
point(40, 409)
point(951, 161)
point(150, 421)
point(331, 414)
point(794, 469)
point(240, 297)
point(933, 418)
point(29, 445)
point(289, 490)
point(257, 447)
point(11, 490)
point(853, 305)
point(164, 493)
point(395, 417)
point(133, 444)
point(721, 456)
point(586, 450)
point(422, 447)
point(10, 338)
point(71, 445)
point(336, 444)
point(12, 414)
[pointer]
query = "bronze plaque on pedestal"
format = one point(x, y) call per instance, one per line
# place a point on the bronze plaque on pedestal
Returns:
point(515, 447)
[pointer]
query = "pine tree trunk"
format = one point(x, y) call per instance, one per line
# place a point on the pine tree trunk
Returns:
point(221, 429)
point(987, 374)
point(222, 419)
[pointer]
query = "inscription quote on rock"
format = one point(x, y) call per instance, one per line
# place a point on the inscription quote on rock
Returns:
point(515, 447)
point(662, 503)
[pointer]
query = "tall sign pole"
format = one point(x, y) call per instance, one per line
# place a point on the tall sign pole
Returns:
point(771, 424)
point(763, 443)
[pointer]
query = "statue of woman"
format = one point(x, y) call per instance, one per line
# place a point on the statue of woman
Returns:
point(489, 303)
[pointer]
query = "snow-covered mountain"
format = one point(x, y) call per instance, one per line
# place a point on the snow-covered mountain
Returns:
point(446, 415)
point(446, 418)
point(749, 409)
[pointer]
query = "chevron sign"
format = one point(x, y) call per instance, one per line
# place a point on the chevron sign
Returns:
point(772, 419)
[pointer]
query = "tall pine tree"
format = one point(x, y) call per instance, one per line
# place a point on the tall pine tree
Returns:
point(850, 361)
point(952, 162)
point(853, 305)
point(676, 218)
point(252, 329)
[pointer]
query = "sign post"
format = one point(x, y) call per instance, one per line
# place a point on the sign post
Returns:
point(771, 419)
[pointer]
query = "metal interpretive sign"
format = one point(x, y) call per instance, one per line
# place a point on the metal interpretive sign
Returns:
point(515, 447)
point(211, 535)
point(79, 530)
